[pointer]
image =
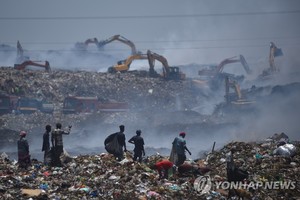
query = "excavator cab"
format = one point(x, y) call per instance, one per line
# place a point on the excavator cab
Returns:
point(175, 74)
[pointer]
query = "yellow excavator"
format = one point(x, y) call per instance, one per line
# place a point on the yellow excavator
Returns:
point(273, 69)
point(213, 71)
point(82, 46)
point(235, 102)
point(121, 39)
point(124, 65)
point(169, 73)
point(237, 98)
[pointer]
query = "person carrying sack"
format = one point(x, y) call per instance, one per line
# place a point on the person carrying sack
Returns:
point(115, 143)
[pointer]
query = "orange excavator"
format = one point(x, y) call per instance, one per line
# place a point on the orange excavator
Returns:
point(169, 73)
point(20, 54)
point(124, 65)
point(217, 69)
point(82, 46)
point(24, 62)
point(28, 63)
point(121, 39)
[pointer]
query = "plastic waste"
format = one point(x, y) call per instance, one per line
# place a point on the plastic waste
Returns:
point(44, 186)
point(4, 156)
point(287, 150)
point(174, 187)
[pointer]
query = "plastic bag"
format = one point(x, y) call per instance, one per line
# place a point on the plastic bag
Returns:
point(113, 146)
point(285, 150)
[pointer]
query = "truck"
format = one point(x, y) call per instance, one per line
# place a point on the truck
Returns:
point(23, 105)
point(80, 104)
point(8, 103)
point(27, 105)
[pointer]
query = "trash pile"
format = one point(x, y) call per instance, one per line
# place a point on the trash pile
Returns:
point(275, 160)
point(147, 97)
point(102, 177)
point(141, 92)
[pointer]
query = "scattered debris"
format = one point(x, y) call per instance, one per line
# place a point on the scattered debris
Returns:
point(101, 176)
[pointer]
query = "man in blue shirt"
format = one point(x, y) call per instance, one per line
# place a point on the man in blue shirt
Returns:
point(179, 148)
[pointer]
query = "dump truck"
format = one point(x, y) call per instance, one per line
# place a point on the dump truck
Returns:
point(8, 103)
point(79, 104)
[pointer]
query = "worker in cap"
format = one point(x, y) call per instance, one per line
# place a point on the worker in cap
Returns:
point(182, 134)
point(138, 142)
point(23, 151)
point(178, 150)
point(23, 133)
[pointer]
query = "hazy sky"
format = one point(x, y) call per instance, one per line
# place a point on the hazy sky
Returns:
point(192, 31)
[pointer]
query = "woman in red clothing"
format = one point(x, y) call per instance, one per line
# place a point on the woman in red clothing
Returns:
point(163, 168)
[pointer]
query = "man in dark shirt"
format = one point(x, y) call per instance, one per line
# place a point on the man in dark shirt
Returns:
point(138, 142)
point(122, 143)
point(57, 143)
point(46, 143)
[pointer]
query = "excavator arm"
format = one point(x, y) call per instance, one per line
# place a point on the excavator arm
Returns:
point(20, 54)
point(151, 59)
point(232, 84)
point(239, 98)
point(169, 73)
point(234, 59)
point(27, 63)
point(82, 46)
point(219, 68)
point(124, 65)
point(121, 39)
point(274, 52)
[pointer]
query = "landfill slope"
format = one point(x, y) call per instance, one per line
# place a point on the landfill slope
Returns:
point(162, 108)
point(154, 103)
point(100, 176)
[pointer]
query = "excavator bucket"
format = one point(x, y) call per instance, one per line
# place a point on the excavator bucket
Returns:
point(245, 64)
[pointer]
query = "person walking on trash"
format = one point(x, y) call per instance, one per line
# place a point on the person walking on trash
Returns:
point(23, 151)
point(178, 150)
point(115, 143)
point(57, 143)
point(46, 143)
point(138, 142)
